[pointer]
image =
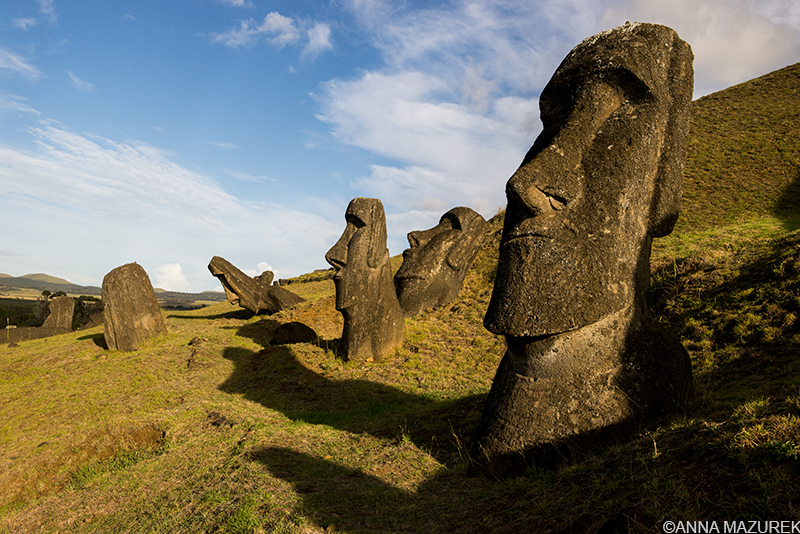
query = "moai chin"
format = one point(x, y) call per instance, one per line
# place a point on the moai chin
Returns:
point(603, 179)
point(365, 295)
point(435, 264)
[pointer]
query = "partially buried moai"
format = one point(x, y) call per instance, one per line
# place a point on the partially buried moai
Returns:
point(131, 314)
point(584, 358)
point(365, 295)
point(435, 264)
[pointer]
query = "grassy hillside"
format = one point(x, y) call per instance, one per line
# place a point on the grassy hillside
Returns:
point(744, 153)
point(214, 428)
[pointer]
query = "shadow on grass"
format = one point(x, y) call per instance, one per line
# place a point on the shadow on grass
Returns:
point(239, 313)
point(787, 208)
point(98, 339)
point(274, 378)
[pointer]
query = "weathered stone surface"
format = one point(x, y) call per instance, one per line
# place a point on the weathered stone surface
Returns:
point(294, 332)
point(365, 294)
point(61, 310)
point(253, 294)
point(131, 314)
point(435, 265)
point(599, 183)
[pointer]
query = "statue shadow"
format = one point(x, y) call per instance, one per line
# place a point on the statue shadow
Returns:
point(276, 379)
point(787, 208)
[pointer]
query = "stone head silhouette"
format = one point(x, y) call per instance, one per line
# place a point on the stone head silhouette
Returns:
point(601, 180)
point(584, 359)
point(373, 320)
point(435, 264)
point(360, 250)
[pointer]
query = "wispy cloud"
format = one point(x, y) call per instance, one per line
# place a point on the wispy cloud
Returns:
point(47, 8)
point(129, 16)
point(15, 64)
point(275, 29)
point(143, 207)
point(225, 145)
point(24, 23)
point(279, 31)
point(319, 41)
point(245, 177)
point(12, 102)
point(81, 85)
point(237, 3)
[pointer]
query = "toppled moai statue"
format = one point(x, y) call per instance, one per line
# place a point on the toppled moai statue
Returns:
point(131, 314)
point(61, 311)
point(435, 265)
point(254, 294)
point(373, 320)
point(604, 177)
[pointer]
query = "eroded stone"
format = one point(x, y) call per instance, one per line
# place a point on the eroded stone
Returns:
point(365, 294)
point(131, 314)
point(599, 183)
point(435, 264)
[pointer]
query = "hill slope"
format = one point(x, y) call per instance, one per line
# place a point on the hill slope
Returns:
point(744, 153)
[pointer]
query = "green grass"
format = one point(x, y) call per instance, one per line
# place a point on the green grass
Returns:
point(215, 428)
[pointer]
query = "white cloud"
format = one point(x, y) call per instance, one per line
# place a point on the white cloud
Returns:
point(47, 9)
point(245, 177)
point(171, 278)
point(12, 102)
point(279, 31)
point(17, 65)
point(24, 23)
point(319, 41)
point(75, 195)
point(237, 3)
point(129, 16)
point(81, 85)
point(275, 29)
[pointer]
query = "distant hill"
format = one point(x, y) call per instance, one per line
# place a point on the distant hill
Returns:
point(41, 277)
point(744, 153)
point(45, 282)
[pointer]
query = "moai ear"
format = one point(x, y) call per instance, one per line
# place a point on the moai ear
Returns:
point(668, 188)
point(472, 226)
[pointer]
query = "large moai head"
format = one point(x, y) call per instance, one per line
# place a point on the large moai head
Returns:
point(584, 359)
point(601, 180)
point(373, 321)
point(437, 261)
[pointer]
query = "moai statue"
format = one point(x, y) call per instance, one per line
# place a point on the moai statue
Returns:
point(254, 294)
point(131, 314)
point(61, 311)
point(373, 320)
point(435, 265)
point(604, 177)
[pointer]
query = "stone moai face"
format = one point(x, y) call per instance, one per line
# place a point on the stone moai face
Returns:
point(360, 252)
point(601, 180)
point(599, 183)
point(437, 261)
point(373, 321)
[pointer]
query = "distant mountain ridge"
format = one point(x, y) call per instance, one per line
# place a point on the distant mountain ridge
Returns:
point(46, 282)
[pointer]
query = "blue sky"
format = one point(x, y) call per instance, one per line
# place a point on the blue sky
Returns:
point(169, 132)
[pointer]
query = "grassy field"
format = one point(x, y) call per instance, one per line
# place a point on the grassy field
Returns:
point(214, 428)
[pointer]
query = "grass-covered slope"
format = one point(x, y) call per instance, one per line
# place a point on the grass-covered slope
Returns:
point(744, 153)
point(214, 428)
